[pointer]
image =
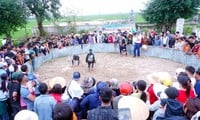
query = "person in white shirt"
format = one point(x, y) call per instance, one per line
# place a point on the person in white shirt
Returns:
point(137, 44)
point(72, 87)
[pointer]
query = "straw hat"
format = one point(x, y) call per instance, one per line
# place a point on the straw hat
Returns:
point(26, 115)
point(165, 78)
point(57, 80)
point(153, 78)
point(138, 108)
point(179, 70)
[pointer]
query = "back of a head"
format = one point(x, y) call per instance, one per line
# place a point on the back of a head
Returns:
point(171, 92)
point(141, 85)
point(198, 71)
point(57, 88)
point(90, 50)
point(185, 82)
point(4, 76)
point(24, 68)
point(106, 94)
point(101, 85)
point(62, 111)
point(190, 69)
point(76, 75)
point(193, 106)
point(43, 88)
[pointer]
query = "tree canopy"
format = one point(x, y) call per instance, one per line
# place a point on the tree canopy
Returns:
point(165, 12)
point(12, 16)
point(43, 9)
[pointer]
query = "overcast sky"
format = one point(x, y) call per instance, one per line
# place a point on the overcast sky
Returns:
point(95, 7)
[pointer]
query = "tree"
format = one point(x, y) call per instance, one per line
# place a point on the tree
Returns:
point(70, 17)
point(43, 9)
point(165, 12)
point(12, 16)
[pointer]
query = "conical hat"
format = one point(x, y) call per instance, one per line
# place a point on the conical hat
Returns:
point(26, 115)
point(153, 78)
point(165, 78)
point(57, 80)
point(138, 108)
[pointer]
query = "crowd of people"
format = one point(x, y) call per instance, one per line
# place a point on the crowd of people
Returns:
point(23, 95)
point(36, 46)
point(160, 96)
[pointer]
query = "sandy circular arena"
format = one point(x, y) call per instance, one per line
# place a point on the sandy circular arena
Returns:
point(108, 65)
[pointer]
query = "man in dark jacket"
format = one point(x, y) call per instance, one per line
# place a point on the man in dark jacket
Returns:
point(90, 59)
point(92, 101)
point(105, 111)
point(173, 108)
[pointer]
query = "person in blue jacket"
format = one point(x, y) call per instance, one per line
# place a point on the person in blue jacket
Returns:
point(92, 101)
point(197, 84)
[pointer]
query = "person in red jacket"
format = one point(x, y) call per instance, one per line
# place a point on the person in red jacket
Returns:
point(56, 92)
point(185, 90)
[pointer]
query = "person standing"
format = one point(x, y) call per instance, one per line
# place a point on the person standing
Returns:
point(137, 44)
point(105, 111)
point(90, 59)
point(44, 104)
point(197, 84)
point(14, 94)
point(3, 97)
point(26, 93)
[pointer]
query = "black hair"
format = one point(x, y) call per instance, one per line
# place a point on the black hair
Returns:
point(43, 88)
point(24, 68)
point(191, 37)
point(198, 71)
point(4, 77)
point(57, 88)
point(94, 81)
point(62, 111)
point(183, 73)
point(171, 92)
point(185, 83)
point(106, 94)
point(20, 77)
point(141, 85)
point(134, 85)
point(190, 69)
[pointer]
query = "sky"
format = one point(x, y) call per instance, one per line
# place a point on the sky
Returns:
point(98, 7)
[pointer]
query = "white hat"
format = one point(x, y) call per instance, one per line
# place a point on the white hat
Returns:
point(179, 70)
point(26, 115)
point(153, 78)
point(139, 110)
point(114, 83)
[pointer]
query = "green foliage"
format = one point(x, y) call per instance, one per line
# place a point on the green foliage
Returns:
point(187, 29)
point(15, 43)
point(146, 30)
point(166, 12)
point(43, 9)
point(22, 32)
point(12, 16)
point(83, 31)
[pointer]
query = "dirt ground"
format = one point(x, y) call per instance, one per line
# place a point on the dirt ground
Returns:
point(108, 66)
